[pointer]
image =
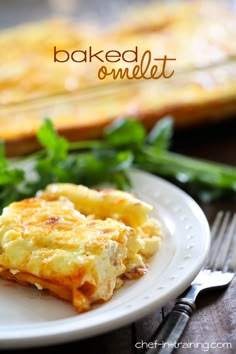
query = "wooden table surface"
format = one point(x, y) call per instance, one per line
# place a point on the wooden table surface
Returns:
point(215, 320)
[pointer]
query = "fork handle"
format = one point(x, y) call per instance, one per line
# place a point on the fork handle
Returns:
point(171, 329)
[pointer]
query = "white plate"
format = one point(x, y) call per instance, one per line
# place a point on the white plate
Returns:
point(30, 318)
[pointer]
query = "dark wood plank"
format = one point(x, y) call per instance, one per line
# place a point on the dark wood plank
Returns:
point(145, 328)
point(213, 322)
point(115, 342)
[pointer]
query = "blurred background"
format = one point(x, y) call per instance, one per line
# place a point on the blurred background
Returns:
point(15, 12)
point(201, 35)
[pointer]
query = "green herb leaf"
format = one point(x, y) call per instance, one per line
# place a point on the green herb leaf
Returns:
point(115, 160)
point(11, 177)
point(125, 133)
point(121, 181)
point(56, 146)
point(8, 176)
point(106, 162)
point(3, 161)
point(160, 136)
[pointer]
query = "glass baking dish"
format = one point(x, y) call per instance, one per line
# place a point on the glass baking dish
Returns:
point(202, 88)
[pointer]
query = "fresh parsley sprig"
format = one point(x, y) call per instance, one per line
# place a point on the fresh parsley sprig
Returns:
point(10, 178)
point(126, 144)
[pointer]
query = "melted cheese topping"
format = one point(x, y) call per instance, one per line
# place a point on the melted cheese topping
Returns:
point(105, 203)
point(72, 249)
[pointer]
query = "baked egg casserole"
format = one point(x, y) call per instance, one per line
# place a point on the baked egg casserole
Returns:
point(77, 243)
point(200, 35)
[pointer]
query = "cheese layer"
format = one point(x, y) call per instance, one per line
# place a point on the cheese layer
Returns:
point(76, 249)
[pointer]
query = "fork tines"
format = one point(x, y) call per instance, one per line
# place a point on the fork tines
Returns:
point(223, 237)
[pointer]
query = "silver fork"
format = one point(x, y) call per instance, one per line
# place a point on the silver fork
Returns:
point(216, 273)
